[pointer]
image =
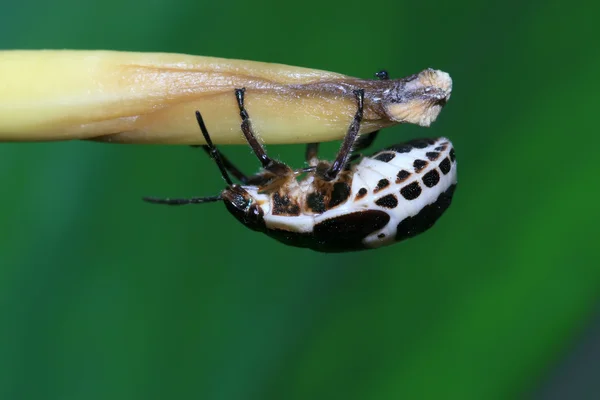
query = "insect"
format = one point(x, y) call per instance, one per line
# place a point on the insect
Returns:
point(338, 206)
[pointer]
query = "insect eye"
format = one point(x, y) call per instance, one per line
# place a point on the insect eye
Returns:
point(243, 207)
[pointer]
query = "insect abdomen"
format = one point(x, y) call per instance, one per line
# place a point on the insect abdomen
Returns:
point(394, 195)
point(414, 182)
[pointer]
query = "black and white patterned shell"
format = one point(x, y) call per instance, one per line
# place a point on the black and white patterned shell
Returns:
point(394, 195)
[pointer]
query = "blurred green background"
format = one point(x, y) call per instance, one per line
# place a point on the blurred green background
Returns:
point(105, 297)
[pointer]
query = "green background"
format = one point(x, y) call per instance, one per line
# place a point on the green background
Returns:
point(105, 297)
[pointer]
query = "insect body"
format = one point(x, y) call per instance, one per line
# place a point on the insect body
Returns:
point(340, 206)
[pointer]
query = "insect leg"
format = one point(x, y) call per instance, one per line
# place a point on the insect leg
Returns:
point(361, 143)
point(180, 202)
point(344, 153)
point(365, 141)
point(267, 163)
point(231, 168)
point(312, 150)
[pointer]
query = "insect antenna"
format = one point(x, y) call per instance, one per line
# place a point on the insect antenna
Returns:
point(180, 202)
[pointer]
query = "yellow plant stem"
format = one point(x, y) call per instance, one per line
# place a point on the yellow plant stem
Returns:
point(127, 97)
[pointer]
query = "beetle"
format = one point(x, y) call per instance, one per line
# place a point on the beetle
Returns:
point(352, 203)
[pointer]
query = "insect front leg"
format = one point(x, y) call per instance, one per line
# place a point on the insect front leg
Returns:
point(275, 167)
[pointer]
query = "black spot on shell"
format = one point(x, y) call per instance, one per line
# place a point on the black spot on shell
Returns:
point(425, 219)
point(347, 231)
point(402, 176)
point(381, 235)
point(282, 205)
point(382, 184)
point(401, 148)
point(385, 157)
point(316, 202)
point(431, 178)
point(389, 201)
point(419, 165)
point(361, 193)
point(296, 239)
point(340, 193)
point(440, 148)
point(421, 143)
point(452, 155)
point(432, 155)
point(335, 235)
point(411, 191)
point(445, 166)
